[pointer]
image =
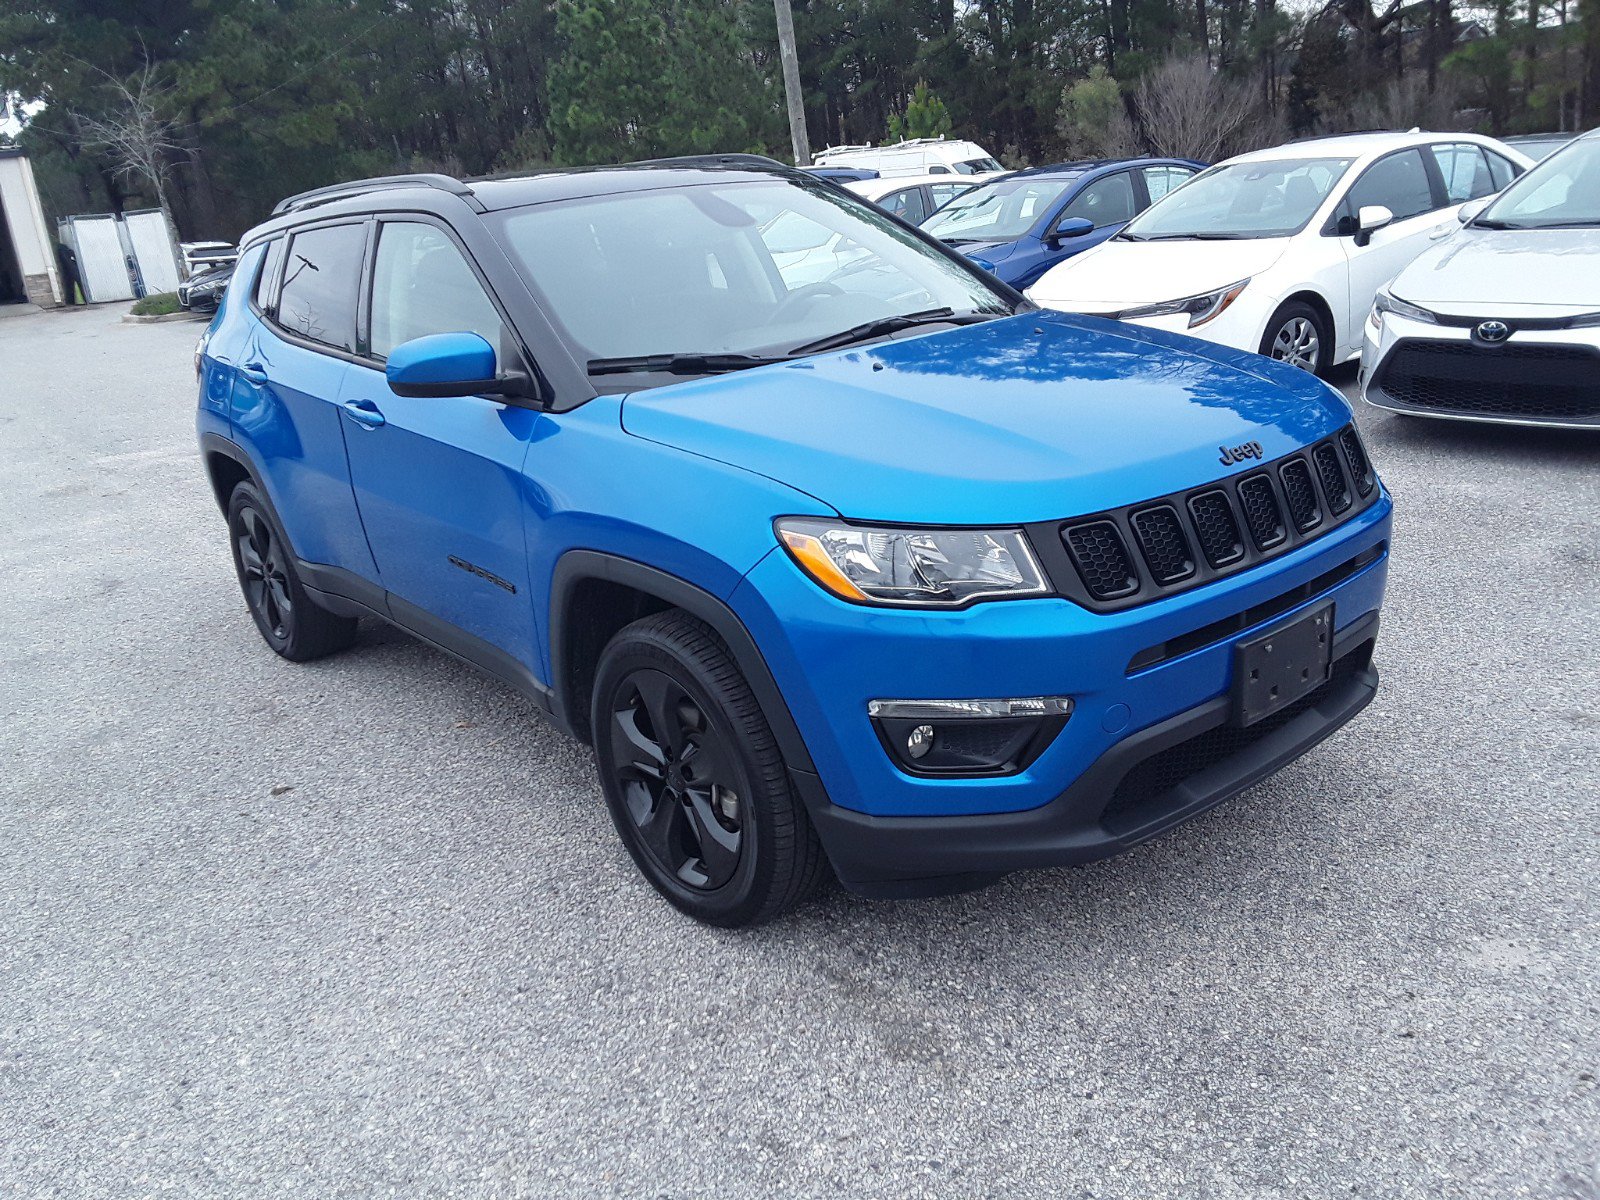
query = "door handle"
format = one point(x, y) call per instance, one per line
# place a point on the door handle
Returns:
point(254, 372)
point(364, 413)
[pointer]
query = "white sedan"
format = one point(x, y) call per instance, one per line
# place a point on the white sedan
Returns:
point(1281, 251)
point(913, 199)
point(1502, 321)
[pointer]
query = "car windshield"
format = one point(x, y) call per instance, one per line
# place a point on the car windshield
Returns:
point(1269, 199)
point(1000, 211)
point(977, 166)
point(1561, 191)
point(756, 265)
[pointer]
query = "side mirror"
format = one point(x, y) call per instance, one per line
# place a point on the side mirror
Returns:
point(1369, 219)
point(449, 364)
point(1472, 208)
point(1071, 227)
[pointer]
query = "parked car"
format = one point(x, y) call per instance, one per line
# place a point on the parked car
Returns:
point(1020, 226)
point(203, 292)
point(918, 156)
point(1281, 251)
point(912, 198)
point(824, 570)
point(1502, 321)
point(1539, 145)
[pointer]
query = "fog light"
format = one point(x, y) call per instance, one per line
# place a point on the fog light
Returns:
point(920, 741)
point(968, 737)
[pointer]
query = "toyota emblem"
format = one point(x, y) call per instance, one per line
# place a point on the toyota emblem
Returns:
point(1493, 332)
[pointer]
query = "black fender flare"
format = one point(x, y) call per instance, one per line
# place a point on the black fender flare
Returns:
point(576, 566)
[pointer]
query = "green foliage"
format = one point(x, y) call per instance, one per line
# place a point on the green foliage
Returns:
point(1092, 120)
point(925, 117)
point(157, 304)
point(639, 79)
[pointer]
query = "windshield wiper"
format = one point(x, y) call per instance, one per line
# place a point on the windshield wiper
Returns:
point(680, 364)
point(887, 325)
point(1480, 223)
point(1186, 237)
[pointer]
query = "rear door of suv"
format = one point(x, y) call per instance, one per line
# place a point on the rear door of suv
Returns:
point(287, 388)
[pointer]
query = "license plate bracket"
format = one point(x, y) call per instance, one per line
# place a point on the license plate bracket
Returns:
point(1274, 669)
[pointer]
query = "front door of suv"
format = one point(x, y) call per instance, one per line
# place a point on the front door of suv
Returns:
point(439, 480)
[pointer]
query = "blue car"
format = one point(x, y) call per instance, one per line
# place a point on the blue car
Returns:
point(1018, 227)
point(874, 569)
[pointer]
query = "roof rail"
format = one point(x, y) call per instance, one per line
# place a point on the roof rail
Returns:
point(712, 160)
point(325, 195)
point(840, 149)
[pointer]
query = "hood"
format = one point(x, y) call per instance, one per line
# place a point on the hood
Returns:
point(1479, 272)
point(1027, 418)
point(1117, 274)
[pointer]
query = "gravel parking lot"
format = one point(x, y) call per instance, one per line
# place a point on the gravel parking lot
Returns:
point(362, 927)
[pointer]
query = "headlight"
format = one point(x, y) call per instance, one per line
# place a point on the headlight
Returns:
point(1200, 308)
point(944, 568)
point(1387, 302)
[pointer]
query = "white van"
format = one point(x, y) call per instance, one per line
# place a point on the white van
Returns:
point(919, 156)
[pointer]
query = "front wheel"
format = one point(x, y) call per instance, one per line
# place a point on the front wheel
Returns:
point(693, 778)
point(1298, 335)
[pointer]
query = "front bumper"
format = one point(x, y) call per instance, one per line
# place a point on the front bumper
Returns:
point(1143, 786)
point(829, 659)
point(1535, 377)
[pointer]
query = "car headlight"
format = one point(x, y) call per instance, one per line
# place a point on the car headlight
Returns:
point(942, 568)
point(1201, 309)
point(1387, 302)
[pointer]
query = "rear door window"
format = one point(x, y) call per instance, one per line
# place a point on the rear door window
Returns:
point(1465, 172)
point(317, 299)
point(1161, 180)
point(1502, 170)
point(266, 289)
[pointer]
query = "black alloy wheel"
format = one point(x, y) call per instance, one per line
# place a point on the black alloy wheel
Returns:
point(680, 785)
point(291, 622)
point(262, 574)
point(693, 778)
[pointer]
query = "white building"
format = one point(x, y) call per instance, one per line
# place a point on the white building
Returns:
point(28, 269)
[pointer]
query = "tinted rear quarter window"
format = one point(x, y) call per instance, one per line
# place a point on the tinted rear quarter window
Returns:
point(267, 282)
point(318, 297)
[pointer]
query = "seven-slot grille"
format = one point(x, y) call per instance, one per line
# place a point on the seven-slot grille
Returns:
point(1135, 554)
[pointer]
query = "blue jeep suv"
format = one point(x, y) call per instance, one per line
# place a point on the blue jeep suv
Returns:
point(856, 562)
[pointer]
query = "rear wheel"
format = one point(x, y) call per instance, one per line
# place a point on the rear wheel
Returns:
point(1298, 335)
point(693, 778)
point(290, 621)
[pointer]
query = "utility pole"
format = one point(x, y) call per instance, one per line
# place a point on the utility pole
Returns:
point(791, 83)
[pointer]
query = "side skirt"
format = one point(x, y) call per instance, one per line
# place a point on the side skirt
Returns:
point(351, 596)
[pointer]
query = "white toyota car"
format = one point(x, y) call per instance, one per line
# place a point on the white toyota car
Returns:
point(1502, 321)
point(1281, 251)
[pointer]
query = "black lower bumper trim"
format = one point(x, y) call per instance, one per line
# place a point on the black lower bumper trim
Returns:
point(919, 856)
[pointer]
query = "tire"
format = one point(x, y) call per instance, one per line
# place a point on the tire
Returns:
point(290, 621)
point(693, 778)
point(1285, 338)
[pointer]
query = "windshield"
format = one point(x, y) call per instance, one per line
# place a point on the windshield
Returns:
point(977, 166)
point(759, 265)
point(1561, 191)
point(1241, 200)
point(1001, 211)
